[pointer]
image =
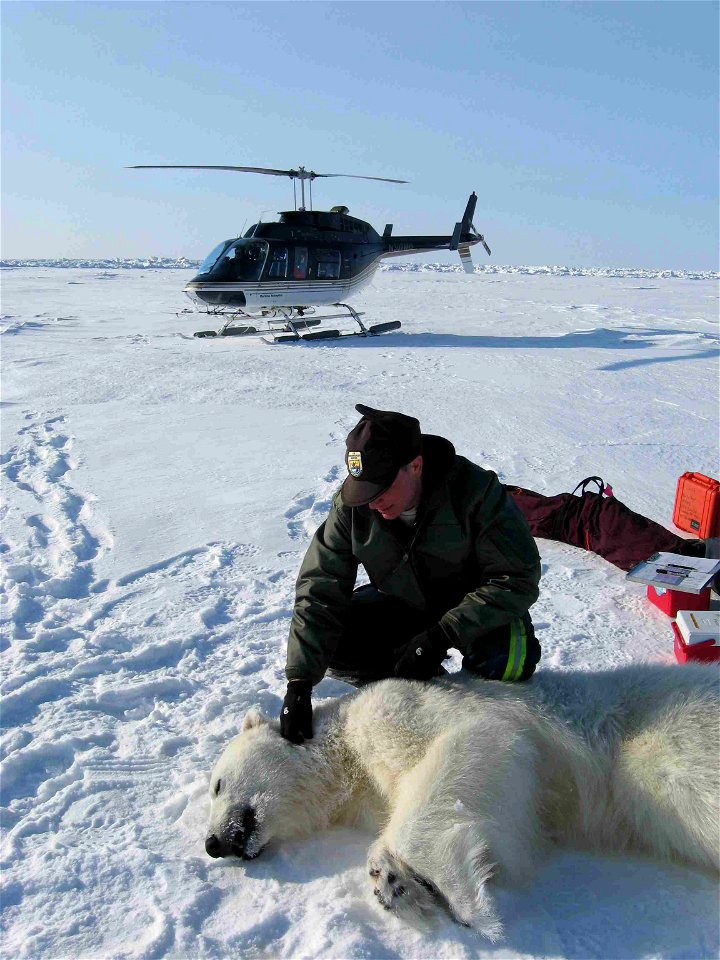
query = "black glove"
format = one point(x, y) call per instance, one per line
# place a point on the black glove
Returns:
point(296, 713)
point(420, 659)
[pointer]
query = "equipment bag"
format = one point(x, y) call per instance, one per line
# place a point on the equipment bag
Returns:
point(599, 522)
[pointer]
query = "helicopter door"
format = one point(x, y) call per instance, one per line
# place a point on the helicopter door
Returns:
point(301, 263)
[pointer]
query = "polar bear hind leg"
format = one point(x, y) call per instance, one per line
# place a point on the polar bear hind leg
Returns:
point(466, 812)
point(666, 784)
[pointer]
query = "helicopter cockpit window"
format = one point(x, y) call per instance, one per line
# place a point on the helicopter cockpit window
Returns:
point(243, 260)
point(211, 259)
point(328, 264)
point(278, 263)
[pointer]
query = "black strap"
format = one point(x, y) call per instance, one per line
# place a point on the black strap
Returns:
point(557, 529)
point(588, 480)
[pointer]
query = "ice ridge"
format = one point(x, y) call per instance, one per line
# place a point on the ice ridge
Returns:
point(183, 263)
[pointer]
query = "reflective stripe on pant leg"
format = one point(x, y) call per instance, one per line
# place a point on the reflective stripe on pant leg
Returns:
point(517, 652)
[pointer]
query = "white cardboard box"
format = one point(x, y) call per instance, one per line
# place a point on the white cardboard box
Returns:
point(697, 626)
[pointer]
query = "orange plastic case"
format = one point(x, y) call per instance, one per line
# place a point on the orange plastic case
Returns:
point(697, 505)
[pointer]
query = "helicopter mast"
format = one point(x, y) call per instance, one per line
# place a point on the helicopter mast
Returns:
point(302, 175)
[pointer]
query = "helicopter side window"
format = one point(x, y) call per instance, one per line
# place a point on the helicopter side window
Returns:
point(278, 263)
point(328, 264)
point(301, 263)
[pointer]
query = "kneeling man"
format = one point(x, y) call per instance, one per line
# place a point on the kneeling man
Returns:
point(451, 563)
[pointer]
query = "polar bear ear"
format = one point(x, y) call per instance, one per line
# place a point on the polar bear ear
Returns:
point(253, 718)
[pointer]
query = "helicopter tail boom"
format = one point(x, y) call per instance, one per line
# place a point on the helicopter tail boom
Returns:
point(462, 238)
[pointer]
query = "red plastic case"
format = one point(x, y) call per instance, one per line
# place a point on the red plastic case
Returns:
point(670, 601)
point(697, 505)
point(706, 652)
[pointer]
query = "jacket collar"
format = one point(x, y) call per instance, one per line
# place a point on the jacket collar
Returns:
point(438, 457)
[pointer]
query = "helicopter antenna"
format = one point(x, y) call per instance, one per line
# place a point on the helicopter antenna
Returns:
point(260, 220)
point(300, 174)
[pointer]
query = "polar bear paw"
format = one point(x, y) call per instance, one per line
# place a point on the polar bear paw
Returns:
point(397, 887)
point(416, 900)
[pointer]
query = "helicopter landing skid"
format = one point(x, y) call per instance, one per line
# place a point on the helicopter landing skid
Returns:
point(293, 336)
point(239, 323)
point(286, 325)
point(373, 331)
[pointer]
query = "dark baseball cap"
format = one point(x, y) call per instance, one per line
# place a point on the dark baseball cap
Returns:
point(381, 443)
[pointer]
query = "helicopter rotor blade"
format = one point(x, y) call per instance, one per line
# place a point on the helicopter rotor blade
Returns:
point(481, 238)
point(193, 166)
point(300, 174)
point(354, 176)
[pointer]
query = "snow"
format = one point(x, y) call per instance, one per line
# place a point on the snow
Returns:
point(159, 493)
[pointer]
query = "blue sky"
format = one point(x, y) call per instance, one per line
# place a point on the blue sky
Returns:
point(588, 130)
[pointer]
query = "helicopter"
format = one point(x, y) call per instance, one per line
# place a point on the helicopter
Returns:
point(272, 280)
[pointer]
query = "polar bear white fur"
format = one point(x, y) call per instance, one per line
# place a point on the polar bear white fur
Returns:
point(470, 780)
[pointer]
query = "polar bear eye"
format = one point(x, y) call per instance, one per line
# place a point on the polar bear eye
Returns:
point(217, 787)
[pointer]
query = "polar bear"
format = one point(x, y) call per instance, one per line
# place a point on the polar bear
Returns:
point(470, 780)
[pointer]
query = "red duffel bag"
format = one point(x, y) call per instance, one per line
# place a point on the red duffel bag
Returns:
point(599, 522)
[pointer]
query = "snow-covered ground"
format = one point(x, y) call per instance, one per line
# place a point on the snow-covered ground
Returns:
point(159, 493)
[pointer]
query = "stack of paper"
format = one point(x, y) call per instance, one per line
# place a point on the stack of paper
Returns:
point(673, 571)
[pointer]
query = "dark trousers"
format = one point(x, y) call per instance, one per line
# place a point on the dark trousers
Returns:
point(378, 625)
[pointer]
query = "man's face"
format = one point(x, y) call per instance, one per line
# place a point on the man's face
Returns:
point(403, 494)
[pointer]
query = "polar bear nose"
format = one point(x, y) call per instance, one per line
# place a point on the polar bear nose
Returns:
point(234, 842)
point(213, 847)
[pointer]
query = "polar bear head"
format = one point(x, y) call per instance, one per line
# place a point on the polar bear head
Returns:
point(264, 788)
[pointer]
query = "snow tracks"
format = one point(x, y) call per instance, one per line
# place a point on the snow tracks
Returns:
point(117, 695)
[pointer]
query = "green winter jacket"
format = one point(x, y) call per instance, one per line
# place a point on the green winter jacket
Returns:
point(470, 562)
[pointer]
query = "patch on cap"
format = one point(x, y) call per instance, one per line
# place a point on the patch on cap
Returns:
point(354, 463)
